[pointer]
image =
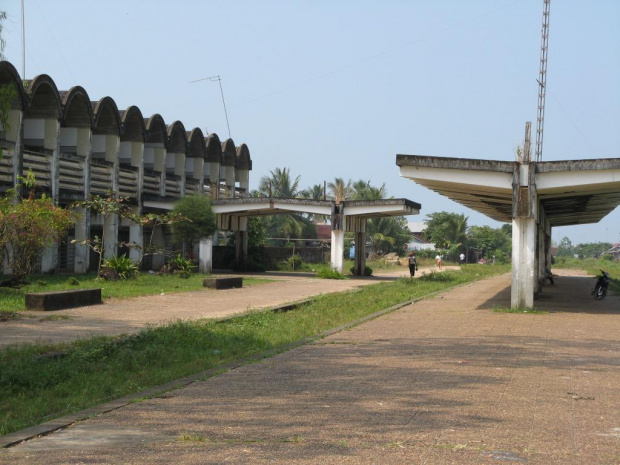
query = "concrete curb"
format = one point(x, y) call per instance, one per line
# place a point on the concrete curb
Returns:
point(49, 427)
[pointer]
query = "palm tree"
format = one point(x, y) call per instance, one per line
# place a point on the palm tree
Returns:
point(457, 228)
point(279, 184)
point(340, 190)
point(315, 192)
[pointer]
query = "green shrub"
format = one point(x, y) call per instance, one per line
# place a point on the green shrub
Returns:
point(123, 266)
point(328, 273)
point(607, 257)
point(367, 270)
point(182, 266)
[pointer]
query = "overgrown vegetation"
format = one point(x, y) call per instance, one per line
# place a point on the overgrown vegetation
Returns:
point(39, 382)
point(327, 272)
point(27, 227)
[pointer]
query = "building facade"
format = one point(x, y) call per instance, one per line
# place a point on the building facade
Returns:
point(77, 148)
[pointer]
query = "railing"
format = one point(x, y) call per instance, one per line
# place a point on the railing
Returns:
point(128, 181)
point(39, 161)
point(173, 185)
point(6, 166)
point(192, 186)
point(71, 172)
point(152, 182)
point(101, 176)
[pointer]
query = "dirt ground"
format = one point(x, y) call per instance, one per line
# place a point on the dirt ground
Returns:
point(116, 316)
point(446, 380)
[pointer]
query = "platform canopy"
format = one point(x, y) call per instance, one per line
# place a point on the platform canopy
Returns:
point(260, 206)
point(570, 191)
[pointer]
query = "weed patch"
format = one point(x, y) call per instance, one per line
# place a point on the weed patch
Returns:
point(500, 309)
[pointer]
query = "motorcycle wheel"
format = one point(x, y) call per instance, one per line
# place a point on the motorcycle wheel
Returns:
point(600, 293)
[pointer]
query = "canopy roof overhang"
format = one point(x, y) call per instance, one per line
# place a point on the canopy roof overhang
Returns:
point(570, 192)
point(260, 206)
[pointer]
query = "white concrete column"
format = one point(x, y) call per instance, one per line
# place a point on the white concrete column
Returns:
point(337, 250)
point(523, 262)
point(49, 258)
point(205, 256)
point(243, 178)
point(136, 236)
point(110, 236)
point(82, 252)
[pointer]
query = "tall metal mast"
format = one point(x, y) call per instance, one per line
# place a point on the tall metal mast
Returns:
point(542, 80)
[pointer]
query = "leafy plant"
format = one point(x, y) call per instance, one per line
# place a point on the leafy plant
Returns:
point(328, 273)
point(182, 266)
point(27, 227)
point(367, 270)
point(123, 266)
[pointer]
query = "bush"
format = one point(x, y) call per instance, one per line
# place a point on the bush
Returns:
point(607, 257)
point(328, 273)
point(182, 266)
point(367, 270)
point(292, 263)
point(121, 267)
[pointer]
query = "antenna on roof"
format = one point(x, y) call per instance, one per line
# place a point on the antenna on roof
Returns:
point(217, 78)
point(23, 44)
point(542, 80)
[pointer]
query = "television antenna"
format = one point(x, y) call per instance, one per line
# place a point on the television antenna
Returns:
point(217, 78)
point(542, 80)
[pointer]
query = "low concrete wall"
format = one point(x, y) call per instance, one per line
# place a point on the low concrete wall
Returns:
point(59, 300)
point(223, 283)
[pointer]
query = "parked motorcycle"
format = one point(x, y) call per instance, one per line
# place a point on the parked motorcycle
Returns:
point(602, 283)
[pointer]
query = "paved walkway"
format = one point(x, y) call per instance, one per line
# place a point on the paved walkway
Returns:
point(445, 380)
point(116, 317)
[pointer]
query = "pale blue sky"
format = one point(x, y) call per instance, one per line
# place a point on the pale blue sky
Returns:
point(338, 88)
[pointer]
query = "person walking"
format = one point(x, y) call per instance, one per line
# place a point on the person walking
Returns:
point(438, 258)
point(413, 264)
point(462, 259)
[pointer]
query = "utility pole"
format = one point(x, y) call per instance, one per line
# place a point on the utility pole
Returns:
point(542, 79)
point(217, 78)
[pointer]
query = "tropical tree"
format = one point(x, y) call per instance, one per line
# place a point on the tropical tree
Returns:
point(490, 241)
point(565, 248)
point(285, 226)
point(315, 192)
point(340, 190)
point(280, 184)
point(446, 230)
point(27, 227)
point(363, 190)
point(198, 222)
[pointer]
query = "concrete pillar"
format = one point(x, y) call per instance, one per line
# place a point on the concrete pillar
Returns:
point(49, 258)
point(110, 236)
point(243, 178)
point(523, 256)
point(358, 226)
point(214, 179)
point(136, 237)
point(82, 230)
point(205, 256)
point(241, 249)
point(158, 240)
point(337, 251)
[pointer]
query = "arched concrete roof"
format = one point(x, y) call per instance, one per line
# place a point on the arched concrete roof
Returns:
point(243, 160)
point(133, 125)
point(77, 112)
point(229, 153)
point(156, 131)
point(9, 75)
point(106, 118)
point(44, 98)
point(214, 149)
point(177, 138)
point(197, 148)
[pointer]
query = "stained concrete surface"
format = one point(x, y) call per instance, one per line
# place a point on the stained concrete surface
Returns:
point(445, 380)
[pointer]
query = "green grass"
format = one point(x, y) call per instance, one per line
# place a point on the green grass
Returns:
point(592, 266)
point(40, 382)
point(499, 309)
point(12, 300)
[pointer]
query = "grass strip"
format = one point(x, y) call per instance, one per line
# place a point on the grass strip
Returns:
point(40, 382)
point(13, 300)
